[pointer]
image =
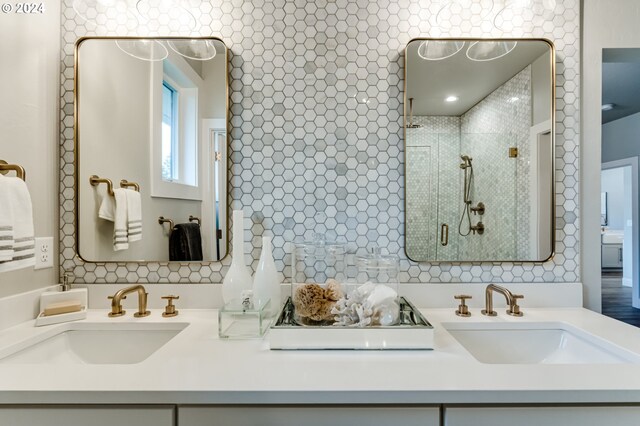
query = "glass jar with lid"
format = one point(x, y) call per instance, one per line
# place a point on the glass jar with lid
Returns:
point(378, 283)
point(318, 279)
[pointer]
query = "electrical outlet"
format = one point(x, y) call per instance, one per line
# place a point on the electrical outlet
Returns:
point(44, 253)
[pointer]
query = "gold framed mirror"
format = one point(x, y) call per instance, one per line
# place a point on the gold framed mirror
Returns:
point(479, 150)
point(151, 126)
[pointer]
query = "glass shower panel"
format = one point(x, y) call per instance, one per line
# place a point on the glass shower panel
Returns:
point(449, 196)
point(422, 189)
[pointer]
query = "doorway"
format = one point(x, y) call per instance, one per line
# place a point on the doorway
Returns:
point(619, 248)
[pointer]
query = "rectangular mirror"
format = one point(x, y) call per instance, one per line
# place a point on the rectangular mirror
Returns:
point(151, 117)
point(479, 150)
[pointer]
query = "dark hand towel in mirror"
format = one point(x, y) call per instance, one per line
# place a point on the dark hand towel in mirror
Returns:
point(185, 242)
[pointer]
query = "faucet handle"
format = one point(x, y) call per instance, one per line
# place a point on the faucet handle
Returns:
point(116, 310)
point(170, 309)
point(514, 309)
point(463, 309)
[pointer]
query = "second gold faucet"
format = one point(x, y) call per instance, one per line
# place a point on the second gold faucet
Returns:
point(512, 301)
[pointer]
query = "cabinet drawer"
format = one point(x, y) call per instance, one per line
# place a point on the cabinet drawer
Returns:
point(69, 415)
point(308, 416)
point(547, 416)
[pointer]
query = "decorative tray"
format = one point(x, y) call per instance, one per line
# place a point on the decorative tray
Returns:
point(412, 332)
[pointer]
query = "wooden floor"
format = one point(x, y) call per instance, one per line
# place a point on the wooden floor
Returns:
point(616, 299)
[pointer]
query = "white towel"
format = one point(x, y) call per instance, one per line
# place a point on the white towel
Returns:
point(18, 199)
point(107, 209)
point(120, 238)
point(6, 221)
point(134, 215)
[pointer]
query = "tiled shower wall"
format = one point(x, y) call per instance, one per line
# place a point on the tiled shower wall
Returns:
point(316, 121)
point(500, 180)
point(485, 133)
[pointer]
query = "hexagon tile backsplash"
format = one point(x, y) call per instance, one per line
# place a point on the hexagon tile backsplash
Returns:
point(316, 120)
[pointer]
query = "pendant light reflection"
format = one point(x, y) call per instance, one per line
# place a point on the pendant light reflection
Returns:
point(146, 50)
point(437, 50)
point(489, 50)
point(199, 50)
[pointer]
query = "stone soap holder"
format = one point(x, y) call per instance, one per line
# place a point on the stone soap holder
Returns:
point(243, 321)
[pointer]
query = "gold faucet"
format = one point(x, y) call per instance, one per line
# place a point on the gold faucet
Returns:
point(512, 300)
point(116, 299)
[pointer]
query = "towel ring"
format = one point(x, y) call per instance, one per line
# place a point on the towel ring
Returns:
point(194, 218)
point(126, 184)
point(95, 180)
point(162, 220)
point(6, 167)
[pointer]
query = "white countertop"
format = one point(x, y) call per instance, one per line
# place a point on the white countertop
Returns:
point(196, 367)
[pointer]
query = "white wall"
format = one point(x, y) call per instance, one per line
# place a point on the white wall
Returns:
point(606, 24)
point(29, 72)
point(540, 89)
point(621, 138)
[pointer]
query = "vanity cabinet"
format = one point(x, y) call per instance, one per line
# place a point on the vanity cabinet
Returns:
point(309, 416)
point(65, 415)
point(536, 416)
point(612, 255)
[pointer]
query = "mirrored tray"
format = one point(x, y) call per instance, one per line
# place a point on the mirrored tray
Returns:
point(412, 332)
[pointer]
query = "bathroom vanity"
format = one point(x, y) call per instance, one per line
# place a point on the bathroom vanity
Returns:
point(176, 371)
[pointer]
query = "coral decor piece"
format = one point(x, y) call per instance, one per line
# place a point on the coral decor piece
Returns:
point(315, 302)
point(368, 305)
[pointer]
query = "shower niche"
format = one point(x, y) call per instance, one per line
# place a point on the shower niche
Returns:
point(479, 150)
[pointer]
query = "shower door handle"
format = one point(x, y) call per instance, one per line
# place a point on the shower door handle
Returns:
point(444, 234)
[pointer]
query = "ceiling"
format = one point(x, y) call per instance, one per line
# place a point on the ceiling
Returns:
point(620, 82)
point(430, 82)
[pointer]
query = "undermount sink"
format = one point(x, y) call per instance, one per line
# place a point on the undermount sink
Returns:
point(93, 343)
point(536, 343)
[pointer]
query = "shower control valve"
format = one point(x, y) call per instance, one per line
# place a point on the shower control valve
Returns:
point(479, 209)
point(478, 228)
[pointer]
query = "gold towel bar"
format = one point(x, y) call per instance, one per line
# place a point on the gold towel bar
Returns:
point(194, 218)
point(162, 220)
point(6, 167)
point(126, 184)
point(95, 180)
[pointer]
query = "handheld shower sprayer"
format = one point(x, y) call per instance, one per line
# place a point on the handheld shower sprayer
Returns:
point(466, 161)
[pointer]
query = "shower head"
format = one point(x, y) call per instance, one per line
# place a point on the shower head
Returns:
point(466, 161)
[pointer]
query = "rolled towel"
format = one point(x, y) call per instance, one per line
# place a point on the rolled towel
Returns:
point(134, 215)
point(18, 201)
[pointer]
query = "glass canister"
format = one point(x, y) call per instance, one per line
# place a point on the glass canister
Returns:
point(378, 285)
point(318, 279)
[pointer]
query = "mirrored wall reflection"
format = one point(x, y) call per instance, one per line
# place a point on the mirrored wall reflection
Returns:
point(151, 144)
point(479, 150)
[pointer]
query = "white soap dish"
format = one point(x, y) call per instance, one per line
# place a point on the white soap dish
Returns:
point(56, 319)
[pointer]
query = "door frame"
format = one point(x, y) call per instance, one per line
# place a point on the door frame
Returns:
point(635, 236)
